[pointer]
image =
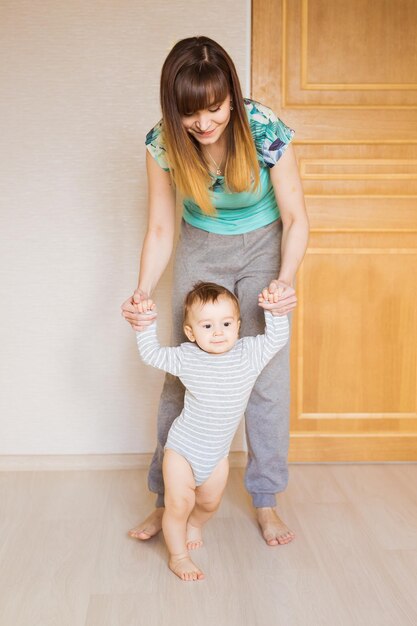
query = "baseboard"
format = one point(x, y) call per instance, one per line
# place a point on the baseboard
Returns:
point(68, 462)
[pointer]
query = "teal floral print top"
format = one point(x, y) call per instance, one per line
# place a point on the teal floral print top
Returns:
point(237, 213)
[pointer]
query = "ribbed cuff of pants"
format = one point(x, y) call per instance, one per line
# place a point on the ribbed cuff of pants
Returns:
point(263, 500)
point(160, 500)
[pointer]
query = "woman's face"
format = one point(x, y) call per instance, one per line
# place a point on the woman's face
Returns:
point(208, 125)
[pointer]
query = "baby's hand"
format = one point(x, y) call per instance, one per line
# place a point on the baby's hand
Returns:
point(271, 294)
point(267, 298)
point(146, 306)
point(279, 298)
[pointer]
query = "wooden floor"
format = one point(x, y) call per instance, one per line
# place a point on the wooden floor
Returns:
point(66, 559)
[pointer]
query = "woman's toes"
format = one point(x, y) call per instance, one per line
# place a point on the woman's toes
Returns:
point(272, 542)
point(140, 534)
point(270, 538)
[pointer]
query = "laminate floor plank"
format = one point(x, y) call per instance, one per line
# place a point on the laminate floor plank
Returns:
point(66, 558)
point(385, 504)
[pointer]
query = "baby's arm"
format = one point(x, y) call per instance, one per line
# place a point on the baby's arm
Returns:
point(166, 359)
point(263, 347)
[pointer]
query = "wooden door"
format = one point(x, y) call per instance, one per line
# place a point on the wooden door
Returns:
point(344, 75)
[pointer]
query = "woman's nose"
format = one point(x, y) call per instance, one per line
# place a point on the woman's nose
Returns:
point(203, 123)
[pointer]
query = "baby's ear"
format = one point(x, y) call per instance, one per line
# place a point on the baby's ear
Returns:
point(189, 332)
point(238, 325)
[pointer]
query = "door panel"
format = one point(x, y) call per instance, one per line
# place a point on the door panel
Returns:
point(344, 75)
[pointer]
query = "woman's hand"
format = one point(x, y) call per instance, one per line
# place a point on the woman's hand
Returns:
point(136, 311)
point(278, 297)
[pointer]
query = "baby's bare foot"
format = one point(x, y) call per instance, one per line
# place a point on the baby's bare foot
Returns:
point(274, 531)
point(194, 537)
point(184, 568)
point(150, 527)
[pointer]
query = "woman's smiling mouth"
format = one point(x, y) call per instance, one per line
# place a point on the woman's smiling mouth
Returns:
point(206, 133)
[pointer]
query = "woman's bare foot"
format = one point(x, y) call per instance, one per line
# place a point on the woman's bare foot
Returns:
point(194, 537)
point(274, 531)
point(184, 568)
point(150, 527)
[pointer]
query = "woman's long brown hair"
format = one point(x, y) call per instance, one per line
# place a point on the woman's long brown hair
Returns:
point(197, 73)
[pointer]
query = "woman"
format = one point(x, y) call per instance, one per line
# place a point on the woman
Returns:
point(232, 162)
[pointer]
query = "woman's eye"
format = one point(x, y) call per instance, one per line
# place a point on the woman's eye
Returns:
point(214, 110)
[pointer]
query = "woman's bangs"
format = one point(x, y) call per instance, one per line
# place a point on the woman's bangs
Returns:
point(198, 88)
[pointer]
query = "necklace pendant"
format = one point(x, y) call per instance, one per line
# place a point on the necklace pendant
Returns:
point(218, 172)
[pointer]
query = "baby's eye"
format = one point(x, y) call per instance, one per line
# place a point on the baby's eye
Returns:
point(227, 323)
point(207, 326)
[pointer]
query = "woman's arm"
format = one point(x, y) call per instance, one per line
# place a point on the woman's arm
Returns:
point(158, 242)
point(288, 190)
point(159, 238)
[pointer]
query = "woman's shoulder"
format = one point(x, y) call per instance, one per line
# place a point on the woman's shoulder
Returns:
point(155, 144)
point(154, 133)
point(270, 133)
point(258, 112)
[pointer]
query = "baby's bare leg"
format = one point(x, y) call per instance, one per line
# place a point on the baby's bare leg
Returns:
point(179, 502)
point(207, 500)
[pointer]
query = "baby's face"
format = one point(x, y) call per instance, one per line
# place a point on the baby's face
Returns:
point(214, 326)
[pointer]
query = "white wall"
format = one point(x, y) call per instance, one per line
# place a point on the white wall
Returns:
point(79, 83)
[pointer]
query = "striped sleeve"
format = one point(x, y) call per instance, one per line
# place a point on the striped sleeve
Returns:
point(262, 348)
point(166, 359)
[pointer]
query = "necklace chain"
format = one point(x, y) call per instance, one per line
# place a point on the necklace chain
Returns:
point(217, 166)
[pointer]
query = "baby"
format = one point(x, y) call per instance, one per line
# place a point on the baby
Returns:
point(218, 371)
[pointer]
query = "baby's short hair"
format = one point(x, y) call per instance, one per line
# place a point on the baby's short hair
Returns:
point(207, 292)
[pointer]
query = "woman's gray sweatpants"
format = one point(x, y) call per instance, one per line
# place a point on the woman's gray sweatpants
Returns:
point(245, 264)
